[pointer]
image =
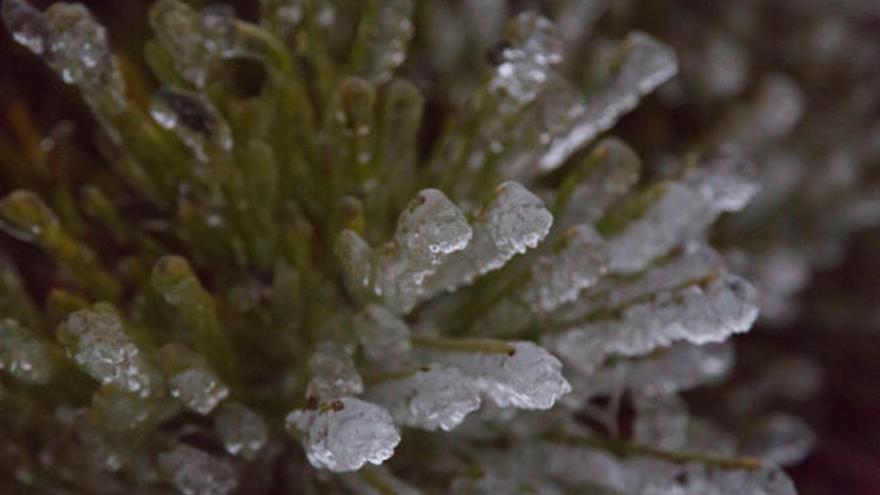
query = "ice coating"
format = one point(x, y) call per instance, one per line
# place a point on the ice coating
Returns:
point(526, 65)
point(727, 181)
point(650, 476)
point(383, 335)
point(195, 472)
point(242, 431)
point(513, 222)
point(345, 434)
point(436, 396)
point(194, 119)
point(558, 278)
point(430, 229)
point(645, 64)
point(27, 25)
point(698, 313)
point(528, 378)
point(780, 439)
point(356, 258)
point(385, 40)
point(178, 29)
point(22, 355)
point(198, 388)
point(96, 340)
point(333, 373)
point(616, 170)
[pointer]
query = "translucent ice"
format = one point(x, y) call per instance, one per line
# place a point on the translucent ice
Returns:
point(780, 439)
point(333, 373)
point(527, 378)
point(698, 313)
point(513, 222)
point(22, 355)
point(178, 28)
point(384, 336)
point(384, 38)
point(199, 389)
point(345, 434)
point(97, 341)
point(559, 277)
point(194, 472)
point(644, 65)
point(429, 230)
point(27, 25)
point(434, 397)
point(194, 119)
point(242, 431)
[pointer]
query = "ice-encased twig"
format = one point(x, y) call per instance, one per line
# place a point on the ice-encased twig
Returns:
point(699, 313)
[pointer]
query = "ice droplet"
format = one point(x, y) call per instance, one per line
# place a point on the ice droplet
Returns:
point(194, 472)
point(529, 378)
point(96, 340)
point(384, 40)
point(242, 430)
point(333, 373)
point(697, 313)
point(434, 397)
point(178, 29)
point(345, 434)
point(23, 355)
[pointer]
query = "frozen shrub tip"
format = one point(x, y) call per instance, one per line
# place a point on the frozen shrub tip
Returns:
point(333, 251)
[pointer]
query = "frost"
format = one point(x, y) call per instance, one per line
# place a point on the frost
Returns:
point(558, 278)
point(345, 434)
point(194, 472)
point(513, 222)
point(429, 230)
point(22, 355)
point(242, 431)
point(178, 29)
point(96, 340)
point(384, 336)
point(333, 373)
point(697, 313)
point(644, 65)
point(194, 119)
point(527, 378)
point(433, 397)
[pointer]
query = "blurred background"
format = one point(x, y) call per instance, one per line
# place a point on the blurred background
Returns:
point(796, 83)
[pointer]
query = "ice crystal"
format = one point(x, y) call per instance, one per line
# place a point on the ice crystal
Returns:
point(191, 380)
point(345, 434)
point(333, 373)
point(193, 118)
point(383, 335)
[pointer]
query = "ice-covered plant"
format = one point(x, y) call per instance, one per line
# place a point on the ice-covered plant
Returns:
point(295, 273)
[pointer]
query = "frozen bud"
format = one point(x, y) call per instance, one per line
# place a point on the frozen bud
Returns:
point(384, 39)
point(242, 431)
point(194, 472)
point(356, 257)
point(96, 340)
point(179, 30)
point(23, 355)
point(27, 25)
point(433, 397)
point(344, 434)
point(333, 373)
